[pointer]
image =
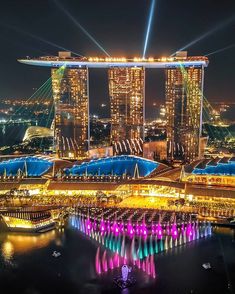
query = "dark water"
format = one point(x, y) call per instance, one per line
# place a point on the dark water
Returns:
point(12, 134)
point(27, 266)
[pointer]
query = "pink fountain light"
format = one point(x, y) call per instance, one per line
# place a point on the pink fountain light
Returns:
point(102, 226)
point(122, 227)
point(97, 261)
point(88, 224)
point(153, 229)
point(137, 229)
point(174, 231)
point(115, 228)
point(108, 226)
point(159, 230)
point(94, 225)
point(189, 230)
point(111, 263)
point(130, 229)
point(144, 230)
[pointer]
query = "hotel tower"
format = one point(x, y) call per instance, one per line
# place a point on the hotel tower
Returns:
point(184, 99)
point(70, 93)
point(126, 91)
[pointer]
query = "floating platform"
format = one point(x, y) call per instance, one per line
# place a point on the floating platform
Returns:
point(29, 220)
point(124, 284)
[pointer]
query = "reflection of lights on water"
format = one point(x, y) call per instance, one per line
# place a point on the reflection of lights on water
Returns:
point(7, 250)
point(58, 242)
point(24, 243)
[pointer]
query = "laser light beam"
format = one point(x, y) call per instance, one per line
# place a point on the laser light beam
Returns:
point(150, 20)
point(69, 15)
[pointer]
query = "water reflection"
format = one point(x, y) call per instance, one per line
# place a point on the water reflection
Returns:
point(22, 243)
point(7, 250)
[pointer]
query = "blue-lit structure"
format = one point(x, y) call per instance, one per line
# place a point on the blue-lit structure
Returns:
point(117, 165)
point(224, 166)
point(221, 169)
point(30, 166)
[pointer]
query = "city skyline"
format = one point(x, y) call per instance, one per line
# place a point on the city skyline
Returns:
point(19, 42)
point(117, 146)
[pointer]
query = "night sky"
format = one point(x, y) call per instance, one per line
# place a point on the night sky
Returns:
point(120, 27)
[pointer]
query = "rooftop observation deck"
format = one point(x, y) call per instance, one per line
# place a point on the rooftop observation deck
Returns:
point(100, 62)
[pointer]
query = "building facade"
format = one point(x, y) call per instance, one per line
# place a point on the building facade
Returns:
point(70, 93)
point(184, 99)
point(126, 91)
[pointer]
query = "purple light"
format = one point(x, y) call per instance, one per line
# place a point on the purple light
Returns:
point(115, 228)
point(143, 230)
point(137, 229)
point(102, 226)
point(88, 224)
point(153, 228)
point(159, 230)
point(174, 230)
point(189, 229)
point(130, 229)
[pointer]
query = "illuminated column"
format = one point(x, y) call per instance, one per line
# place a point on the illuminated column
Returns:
point(70, 93)
point(127, 95)
point(184, 97)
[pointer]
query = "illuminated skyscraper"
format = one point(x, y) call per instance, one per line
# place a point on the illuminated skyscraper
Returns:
point(126, 91)
point(184, 88)
point(70, 93)
point(184, 99)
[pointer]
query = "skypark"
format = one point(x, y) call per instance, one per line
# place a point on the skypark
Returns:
point(97, 62)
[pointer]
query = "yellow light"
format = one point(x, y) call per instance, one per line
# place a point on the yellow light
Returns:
point(7, 250)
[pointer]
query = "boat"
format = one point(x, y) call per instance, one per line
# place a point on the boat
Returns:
point(56, 254)
point(206, 265)
point(32, 220)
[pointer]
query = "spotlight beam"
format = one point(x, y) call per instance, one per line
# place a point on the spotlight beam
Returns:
point(150, 20)
point(40, 39)
point(218, 27)
point(81, 27)
point(220, 50)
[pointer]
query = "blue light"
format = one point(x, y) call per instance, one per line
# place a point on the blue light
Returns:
point(117, 165)
point(220, 169)
point(32, 165)
point(81, 27)
point(149, 27)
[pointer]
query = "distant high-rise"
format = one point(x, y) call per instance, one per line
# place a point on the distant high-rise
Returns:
point(126, 91)
point(184, 99)
point(70, 93)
